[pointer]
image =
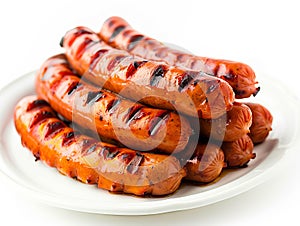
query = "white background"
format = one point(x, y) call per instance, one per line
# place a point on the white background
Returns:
point(263, 34)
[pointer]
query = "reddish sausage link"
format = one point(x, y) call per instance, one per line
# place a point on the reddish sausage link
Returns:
point(152, 83)
point(239, 152)
point(132, 124)
point(262, 122)
point(78, 156)
point(229, 127)
point(119, 34)
point(204, 164)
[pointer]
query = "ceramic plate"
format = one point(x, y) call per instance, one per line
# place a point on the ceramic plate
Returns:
point(49, 186)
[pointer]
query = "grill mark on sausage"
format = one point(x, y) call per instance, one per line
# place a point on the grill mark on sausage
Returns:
point(187, 78)
point(133, 113)
point(95, 58)
point(36, 104)
point(93, 97)
point(137, 64)
point(113, 63)
point(72, 88)
point(126, 157)
point(116, 31)
point(109, 152)
point(133, 41)
point(68, 138)
point(76, 34)
point(157, 75)
point(53, 128)
point(41, 116)
point(133, 67)
point(85, 45)
point(112, 105)
point(110, 23)
point(87, 146)
point(133, 166)
point(91, 149)
point(157, 122)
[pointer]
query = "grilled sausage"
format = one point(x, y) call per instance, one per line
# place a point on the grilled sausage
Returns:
point(134, 125)
point(78, 156)
point(239, 152)
point(119, 34)
point(204, 164)
point(229, 127)
point(152, 83)
point(262, 122)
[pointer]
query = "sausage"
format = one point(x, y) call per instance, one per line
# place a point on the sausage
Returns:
point(239, 152)
point(133, 124)
point(262, 122)
point(152, 83)
point(230, 126)
point(90, 161)
point(119, 34)
point(204, 164)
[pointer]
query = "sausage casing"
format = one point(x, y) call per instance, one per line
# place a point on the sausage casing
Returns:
point(152, 83)
point(132, 124)
point(239, 152)
point(204, 164)
point(119, 34)
point(229, 127)
point(90, 161)
point(262, 122)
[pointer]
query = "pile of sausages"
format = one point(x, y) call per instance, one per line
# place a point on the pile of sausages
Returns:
point(124, 111)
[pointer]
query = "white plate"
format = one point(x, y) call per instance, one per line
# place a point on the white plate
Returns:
point(49, 186)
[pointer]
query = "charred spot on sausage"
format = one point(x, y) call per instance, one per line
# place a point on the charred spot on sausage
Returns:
point(157, 75)
point(116, 31)
point(61, 43)
point(93, 97)
point(114, 62)
point(41, 116)
point(133, 166)
point(36, 104)
point(112, 105)
point(186, 80)
point(157, 122)
point(133, 112)
point(53, 128)
point(72, 88)
point(95, 57)
point(109, 152)
point(134, 40)
point(69, 137)
point(133, 67)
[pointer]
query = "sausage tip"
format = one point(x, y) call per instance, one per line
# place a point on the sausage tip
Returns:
point(61, 43)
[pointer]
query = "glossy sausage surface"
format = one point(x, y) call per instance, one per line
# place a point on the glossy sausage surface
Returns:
point(90, 161)
point(204, 164)
point(239, 152)
point(152, 83)
point(229, 127)
point(119, 34)
point(262, 122)
point(132, 124)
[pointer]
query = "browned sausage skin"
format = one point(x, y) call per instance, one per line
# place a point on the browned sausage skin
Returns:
point(239, 152)
point(119, 34)
point(262, 122)
point(152, 83)
point(78, 156)
point(204, 164)
point(229, 127)
point(134, 125)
